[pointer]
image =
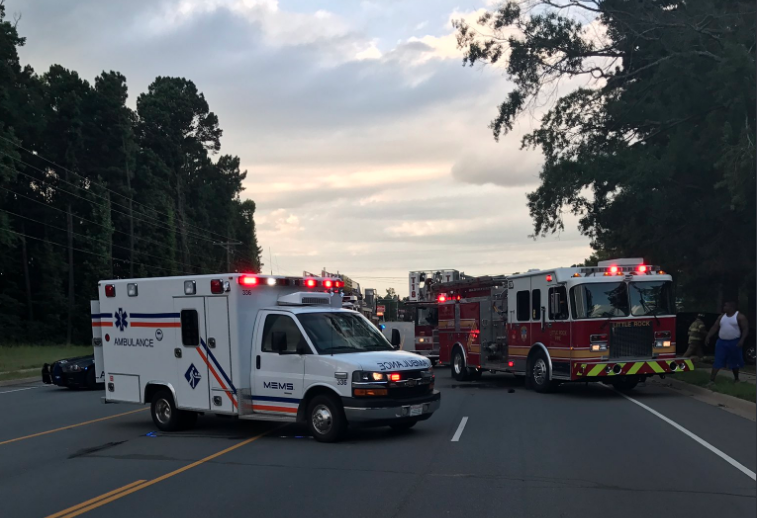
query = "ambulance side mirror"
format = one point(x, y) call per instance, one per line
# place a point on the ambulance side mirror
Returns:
point(279, 342)
point(396, 338)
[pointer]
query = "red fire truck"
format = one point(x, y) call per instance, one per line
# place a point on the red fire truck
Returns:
point(614, 322)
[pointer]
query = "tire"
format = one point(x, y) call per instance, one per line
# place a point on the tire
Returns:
point(459, 369)
point(165, 415)
point(625, 384)
point(405, 425)
point(325, 418)
point(538, 375)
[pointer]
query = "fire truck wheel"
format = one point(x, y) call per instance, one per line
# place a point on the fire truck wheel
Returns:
point(165, 415)
point(326, 419)
point(459, 369)
point(538, 373)
point(624, 384)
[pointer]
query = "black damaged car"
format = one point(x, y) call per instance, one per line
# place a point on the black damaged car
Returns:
point(76, 372)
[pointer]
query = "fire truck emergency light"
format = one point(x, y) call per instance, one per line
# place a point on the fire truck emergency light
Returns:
point(442, 298)
point(549, 278)
point(310, 283)
point(328, 283)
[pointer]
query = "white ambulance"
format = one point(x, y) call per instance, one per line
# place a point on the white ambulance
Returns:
point(254, 346)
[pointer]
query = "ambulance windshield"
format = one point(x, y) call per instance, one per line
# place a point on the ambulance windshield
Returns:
point(337, 333)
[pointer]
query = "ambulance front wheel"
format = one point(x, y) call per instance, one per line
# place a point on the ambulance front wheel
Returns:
point(326, 419)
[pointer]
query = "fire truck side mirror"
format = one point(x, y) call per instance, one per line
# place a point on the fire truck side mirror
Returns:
point(396, 338)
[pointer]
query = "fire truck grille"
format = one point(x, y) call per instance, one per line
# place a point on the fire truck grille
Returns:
point(631, 342)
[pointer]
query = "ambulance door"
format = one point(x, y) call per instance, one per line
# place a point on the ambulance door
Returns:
point(278, 365)
point(192, 386)
point(97, 340)
point(218, 352)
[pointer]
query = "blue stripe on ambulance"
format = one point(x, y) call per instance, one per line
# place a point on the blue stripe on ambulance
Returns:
point(218, 366)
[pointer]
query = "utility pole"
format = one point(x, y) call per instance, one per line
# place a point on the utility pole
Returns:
point(227, 245)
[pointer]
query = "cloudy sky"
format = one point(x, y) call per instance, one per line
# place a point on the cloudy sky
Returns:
point(365, 140)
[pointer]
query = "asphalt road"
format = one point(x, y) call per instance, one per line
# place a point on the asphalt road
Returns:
point(584, 451)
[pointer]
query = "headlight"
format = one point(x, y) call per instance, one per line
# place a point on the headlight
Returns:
point(662, 343)
point(71, 367)
point(600, 346)
point(364, 376)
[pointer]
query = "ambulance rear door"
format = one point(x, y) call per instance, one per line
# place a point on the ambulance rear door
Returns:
point(97, 338)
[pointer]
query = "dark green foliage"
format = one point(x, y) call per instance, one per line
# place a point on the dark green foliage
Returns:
point(657, 155)
point(91, 190)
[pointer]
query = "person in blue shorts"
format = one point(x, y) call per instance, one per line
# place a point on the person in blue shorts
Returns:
point(732, 328)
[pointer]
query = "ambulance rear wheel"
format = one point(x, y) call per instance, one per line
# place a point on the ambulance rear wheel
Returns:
point(165, 415)
point(459, 369)
point(326, 419)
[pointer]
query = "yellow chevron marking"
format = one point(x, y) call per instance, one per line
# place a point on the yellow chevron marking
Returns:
point(656, 367)
point(635, 368)
point(689, 364)
point(596, 370)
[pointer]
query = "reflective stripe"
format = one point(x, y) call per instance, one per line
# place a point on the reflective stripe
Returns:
point(635, 368)
point(656, 367)
point(596, 370)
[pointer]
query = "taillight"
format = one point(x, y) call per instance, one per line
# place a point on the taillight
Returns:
point(247, 280)
point(110, 290)
point(216, 286)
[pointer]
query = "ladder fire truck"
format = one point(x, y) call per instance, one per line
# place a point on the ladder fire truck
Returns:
point(614, 323)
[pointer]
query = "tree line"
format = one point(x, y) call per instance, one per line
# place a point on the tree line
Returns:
point(91, 190)
point(656, 151)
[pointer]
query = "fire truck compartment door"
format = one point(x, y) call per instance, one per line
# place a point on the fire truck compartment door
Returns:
point(97, 340)
point(278, 375)
point(192, 385)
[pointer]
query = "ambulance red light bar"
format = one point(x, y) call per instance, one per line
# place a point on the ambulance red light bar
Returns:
point(642, 268)
point(248, 280)
point(613, 269)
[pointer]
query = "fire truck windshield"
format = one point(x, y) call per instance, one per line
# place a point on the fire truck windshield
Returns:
point(338, 333)
point(652, 298)
point(617, 299)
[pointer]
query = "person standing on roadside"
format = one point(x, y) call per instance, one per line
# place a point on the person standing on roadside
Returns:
point(697, 334)
point(732, 328)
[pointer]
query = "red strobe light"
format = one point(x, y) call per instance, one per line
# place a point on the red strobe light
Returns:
point(310, 283)
point(394, 377)
point(642, 268)
point(248, 280)
point(338, 284)
point(613, 269)
point(549, 278)
point(442, 298)
point(328, 283)
point(216, 286)
point(510, 364)
point(110, 290)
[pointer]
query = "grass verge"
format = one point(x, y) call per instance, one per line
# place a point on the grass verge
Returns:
point(701, 378)
point(14, 358)
point(17, 375)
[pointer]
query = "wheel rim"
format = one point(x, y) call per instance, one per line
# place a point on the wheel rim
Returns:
point(322, 419)
point(458, 363)
point(163, 411)
point(540, 371)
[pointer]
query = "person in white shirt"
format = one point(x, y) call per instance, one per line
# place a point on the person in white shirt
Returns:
point(732, 328)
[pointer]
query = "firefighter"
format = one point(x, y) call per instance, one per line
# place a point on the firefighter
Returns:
point(697, 334)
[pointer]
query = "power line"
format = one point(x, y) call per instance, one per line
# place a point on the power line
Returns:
point(34, 153)
point(79, 249)
point(159, 224)
point(78, 217)
point(91, 238)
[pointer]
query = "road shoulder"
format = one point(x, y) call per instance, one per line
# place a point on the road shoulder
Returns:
point(734, 405)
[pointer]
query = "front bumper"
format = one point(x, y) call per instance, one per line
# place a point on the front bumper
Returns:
point(582, 371)
point(55, 376)
point(383, 410)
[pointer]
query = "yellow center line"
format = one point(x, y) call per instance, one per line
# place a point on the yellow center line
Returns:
point(105, 499)
point(93, 500)
point(72, 426)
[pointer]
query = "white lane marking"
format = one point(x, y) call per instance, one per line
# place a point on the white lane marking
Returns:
point(460, 429)
point(19, 390)
point(730, 460)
